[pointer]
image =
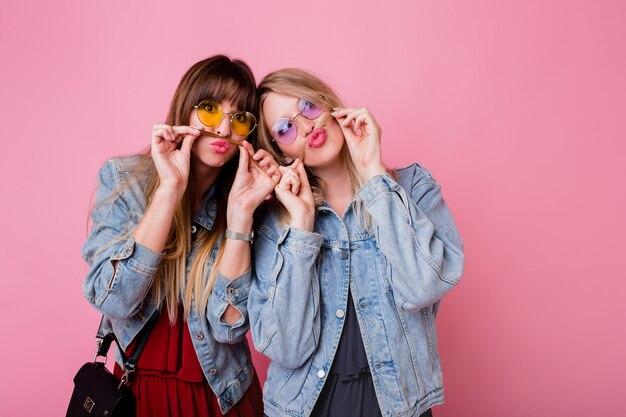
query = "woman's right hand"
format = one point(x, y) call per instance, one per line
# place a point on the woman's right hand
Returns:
point(172, 163)
point(294, 192)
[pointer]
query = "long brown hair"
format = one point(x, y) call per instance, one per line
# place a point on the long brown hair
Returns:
point(218, 78)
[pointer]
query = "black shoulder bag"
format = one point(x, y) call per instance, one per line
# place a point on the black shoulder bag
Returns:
point(96, 390)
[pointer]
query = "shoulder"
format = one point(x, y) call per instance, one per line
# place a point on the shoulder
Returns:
point(117, 171)
point(122, 182)
point(413, 176)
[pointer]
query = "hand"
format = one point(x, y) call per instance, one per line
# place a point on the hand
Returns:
point(294, 192)
point(250, 187)
point(362, 134)
point(172, 163)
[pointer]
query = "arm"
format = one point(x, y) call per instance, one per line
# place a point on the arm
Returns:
point(227, 306)
point(284, 301)
point(121, 268)
point(123, 255)
point(417, 236)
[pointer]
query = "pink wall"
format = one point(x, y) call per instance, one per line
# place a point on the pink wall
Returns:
point(517, 107)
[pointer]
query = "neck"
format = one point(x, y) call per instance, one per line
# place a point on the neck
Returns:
point(204, 178)
point(338, 190)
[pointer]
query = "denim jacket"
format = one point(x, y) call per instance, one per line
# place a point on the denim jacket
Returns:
point(124, 296)
point(398, 268)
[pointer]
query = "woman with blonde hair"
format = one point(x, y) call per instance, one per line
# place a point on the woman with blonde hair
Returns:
point(171, 237)
point(350, 263)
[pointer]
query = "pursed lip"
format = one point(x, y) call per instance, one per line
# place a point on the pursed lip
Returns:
point(316, 138)
point(220, 145)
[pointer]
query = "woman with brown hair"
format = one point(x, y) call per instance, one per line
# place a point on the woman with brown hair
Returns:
point(171, 236)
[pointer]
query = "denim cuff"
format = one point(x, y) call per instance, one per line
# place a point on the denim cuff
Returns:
point(233, 291)
point(138, 257)
point(301, 240)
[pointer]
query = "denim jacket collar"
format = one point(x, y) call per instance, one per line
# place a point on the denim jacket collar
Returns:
point(208, 209)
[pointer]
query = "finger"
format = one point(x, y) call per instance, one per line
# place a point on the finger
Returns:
point(168, 134)
point(340, 112)
point(294, 180)
point(267, 161)
point(271, 170)
point(302, 175)
point(260, 154)
point(288, 179)
point(351, 116)
point(244, 156)
point(362, 118)
point(160, 133)
point(295, 186)
point(188, 141)
point(305, 186)
point(348, 133)
point(185, 130)
point(248, 147)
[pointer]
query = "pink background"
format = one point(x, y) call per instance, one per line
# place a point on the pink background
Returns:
point(517, 107)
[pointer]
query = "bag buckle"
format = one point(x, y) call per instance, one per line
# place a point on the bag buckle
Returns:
point(95, 357)
point(126, 377)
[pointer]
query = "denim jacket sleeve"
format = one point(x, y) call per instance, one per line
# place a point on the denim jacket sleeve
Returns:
point(229, 292)
point(417, 236)
point(117, 292)
point(284, 302)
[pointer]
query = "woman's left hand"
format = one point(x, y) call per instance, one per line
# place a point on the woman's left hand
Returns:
point(362, 134)
point(250, 187)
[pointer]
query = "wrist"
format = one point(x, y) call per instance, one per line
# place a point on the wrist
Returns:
point(368, 173)
point(303, 223)
point(169, 194)
point(240, 223)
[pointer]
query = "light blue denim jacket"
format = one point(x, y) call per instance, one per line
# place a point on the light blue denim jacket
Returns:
point(125, 298)
point(397, 269)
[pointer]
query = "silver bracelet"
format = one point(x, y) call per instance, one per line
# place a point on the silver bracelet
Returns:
point(247, 237)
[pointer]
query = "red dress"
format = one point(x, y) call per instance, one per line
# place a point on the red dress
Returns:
point(169, 381)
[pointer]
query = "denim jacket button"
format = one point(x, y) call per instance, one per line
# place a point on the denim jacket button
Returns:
point(321, 373)
point(340, 313)
point(199, 336)
point(344, 254)
point(213, 371)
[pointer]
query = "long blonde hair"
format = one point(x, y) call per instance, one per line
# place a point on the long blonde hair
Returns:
point(217, 78)
point(302, 84)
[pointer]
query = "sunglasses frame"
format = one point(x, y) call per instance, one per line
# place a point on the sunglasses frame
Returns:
point(293, 120)
point(231, 116)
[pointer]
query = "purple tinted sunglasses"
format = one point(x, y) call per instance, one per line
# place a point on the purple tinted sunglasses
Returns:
point(285, 129)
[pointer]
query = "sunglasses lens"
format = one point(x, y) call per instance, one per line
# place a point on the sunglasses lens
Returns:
point(309, 110)
point(284, 131)
point(209, 113)
point(243, 123)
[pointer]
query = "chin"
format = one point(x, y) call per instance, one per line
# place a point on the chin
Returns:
point(213, 160)
point(327, 155)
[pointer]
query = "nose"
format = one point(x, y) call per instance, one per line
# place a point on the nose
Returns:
point(305, 126)
point(223, 128)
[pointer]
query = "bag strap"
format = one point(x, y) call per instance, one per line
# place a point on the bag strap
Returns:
point(104, 343)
